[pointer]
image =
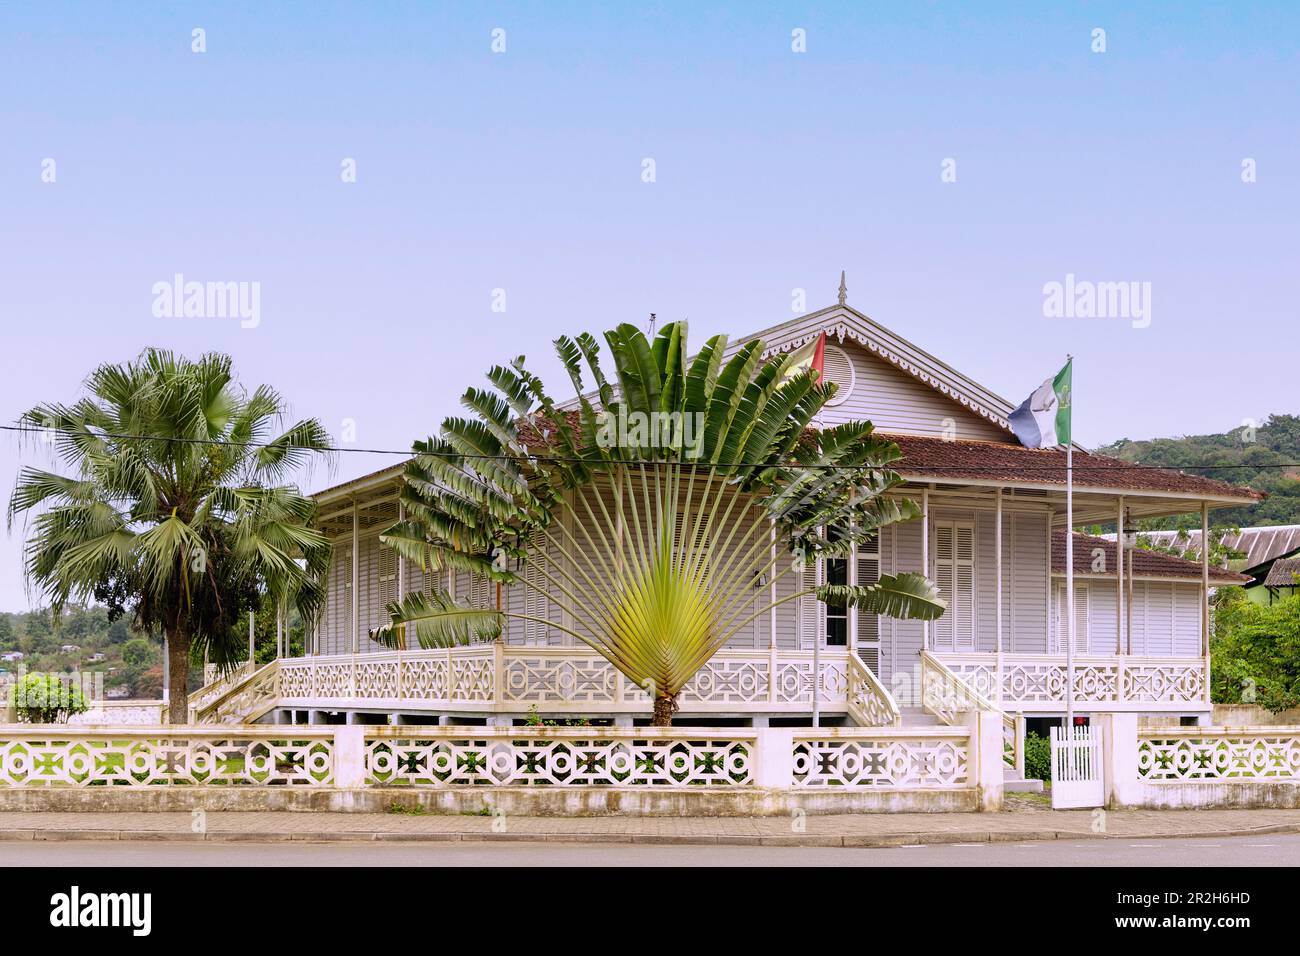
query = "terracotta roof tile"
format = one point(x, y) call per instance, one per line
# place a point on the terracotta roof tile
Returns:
point(929, 457)
point(938, 458)
point(1148, 564)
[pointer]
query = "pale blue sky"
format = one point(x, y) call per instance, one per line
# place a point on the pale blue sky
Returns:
point(775, 170)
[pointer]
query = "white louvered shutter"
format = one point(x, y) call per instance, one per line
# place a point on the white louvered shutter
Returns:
point(810, 609)
point(964, 586)
point(1059, 617)
point(480, 591)
point(387, 576)
point(535, 604)
point(867, 630)
point(1082, 619)
point(944, 573)
point(954, 575)
point(341, 606)
point(837, 367)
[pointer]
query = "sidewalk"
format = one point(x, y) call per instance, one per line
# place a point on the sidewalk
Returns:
point(1023, 821)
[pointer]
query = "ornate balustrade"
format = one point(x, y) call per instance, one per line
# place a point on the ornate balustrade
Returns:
point(568, 756)
point(243, 698)
point(869, 703)
point(45, 756)
point(358, 757)
point(900, 759)
point(1181, 755)
point(1037, 682)
point(949, 695)
point(216, 684)
point(118, 713)
point(505, 678)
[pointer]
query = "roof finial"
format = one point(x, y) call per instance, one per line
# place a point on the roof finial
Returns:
point(844, 290)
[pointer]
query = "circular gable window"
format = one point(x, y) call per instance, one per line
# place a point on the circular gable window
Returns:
point(837, 367)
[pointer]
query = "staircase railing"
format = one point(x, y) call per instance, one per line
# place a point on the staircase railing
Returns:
point(869, 703)
point(217, 684)
point(239, 697)
point(947, 697)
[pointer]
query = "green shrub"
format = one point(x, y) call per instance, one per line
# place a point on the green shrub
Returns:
point(1038, 757)
point(45, 699)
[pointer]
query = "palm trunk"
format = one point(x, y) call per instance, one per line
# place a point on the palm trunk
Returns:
point(178, 673)
point(665, 707)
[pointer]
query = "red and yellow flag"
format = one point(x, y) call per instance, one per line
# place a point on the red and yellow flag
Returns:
point(812, 355)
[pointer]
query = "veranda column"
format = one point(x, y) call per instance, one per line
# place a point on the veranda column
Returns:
point(1205, 593)
point(356, 578)
point(1120, 679)
point(356, 595)
point(925, 556)
point(997, 575)
point(1119, 578)
point(401, 590)
point(771, 614)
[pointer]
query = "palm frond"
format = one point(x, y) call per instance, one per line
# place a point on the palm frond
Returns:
point(436, 620)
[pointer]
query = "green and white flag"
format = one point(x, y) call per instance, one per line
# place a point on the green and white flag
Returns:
point(1043, 419)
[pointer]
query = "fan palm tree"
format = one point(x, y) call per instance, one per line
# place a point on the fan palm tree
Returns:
point(652, 516)
point(174, 506)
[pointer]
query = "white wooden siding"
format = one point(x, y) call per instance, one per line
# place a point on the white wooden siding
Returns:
point(895, 402)
point(1166, 617)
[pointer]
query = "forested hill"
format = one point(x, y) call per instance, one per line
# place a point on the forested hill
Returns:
point(1242, 457)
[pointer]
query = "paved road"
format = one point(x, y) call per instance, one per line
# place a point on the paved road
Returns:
point(1275, 850)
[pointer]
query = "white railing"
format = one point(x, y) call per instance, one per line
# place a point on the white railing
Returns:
point(216, 684)
point(899, 759)
point(240, 700)
point(869, 703)
point(1218, 754)
point(118, 713)
point(354, 757)
point(1037, 682)
point(948, 695)
point(510, 679)
point(45, 756)
point(551, 757)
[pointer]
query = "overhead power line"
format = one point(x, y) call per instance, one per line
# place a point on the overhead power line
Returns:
point(408, 453)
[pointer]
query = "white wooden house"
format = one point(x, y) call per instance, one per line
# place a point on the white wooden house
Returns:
point(991, 535)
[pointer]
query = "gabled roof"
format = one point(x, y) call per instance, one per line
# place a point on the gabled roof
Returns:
point(1283, 574)
point(843, 322)
point(1139, 563)
point(1259, 545)
point(935, 458)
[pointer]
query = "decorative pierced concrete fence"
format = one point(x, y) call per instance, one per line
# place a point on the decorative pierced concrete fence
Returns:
point(1263, 753)
point(918, 759)
point(514, 757)
point(44, 756)
point(1199, 766)
point(357, 757)
point(117, 713)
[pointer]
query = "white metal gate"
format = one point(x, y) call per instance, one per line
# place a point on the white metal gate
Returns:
point(1076, 768)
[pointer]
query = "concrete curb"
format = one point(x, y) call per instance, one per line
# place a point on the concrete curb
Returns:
point(857, 841)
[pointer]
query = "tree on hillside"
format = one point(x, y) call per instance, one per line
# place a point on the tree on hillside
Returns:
point(174, 505)
point(1263, 458)
point(656, 523)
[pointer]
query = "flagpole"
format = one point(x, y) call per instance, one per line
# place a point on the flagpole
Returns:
point(1069, 563)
